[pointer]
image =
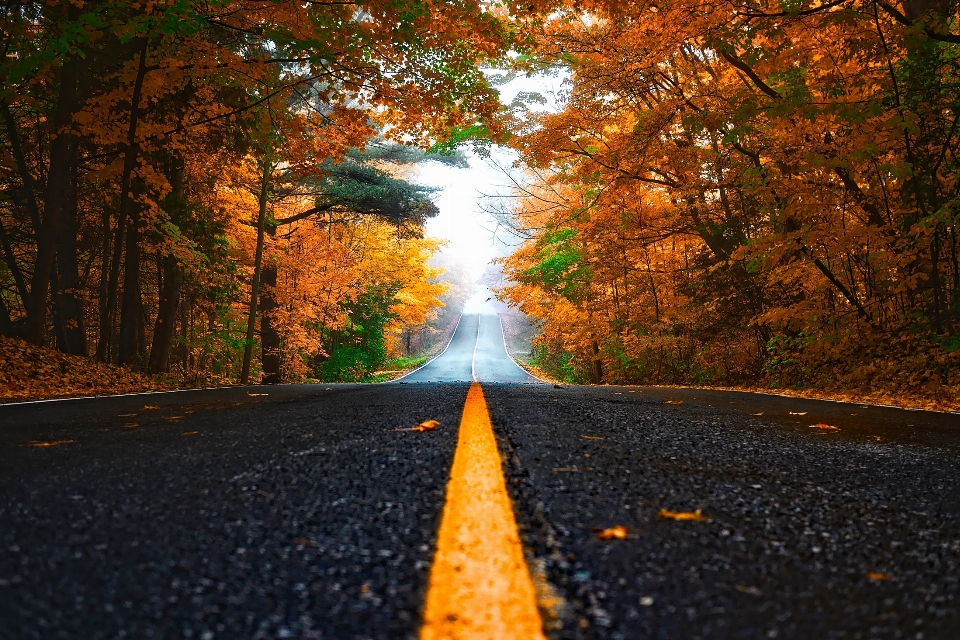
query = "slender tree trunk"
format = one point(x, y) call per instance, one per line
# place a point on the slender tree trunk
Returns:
point(166, 325)
point(56, 197)
point(132, 344)
point(255, 286)
point(69, 317)
point(269, 335)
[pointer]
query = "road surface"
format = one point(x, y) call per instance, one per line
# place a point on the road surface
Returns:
point(313, 511)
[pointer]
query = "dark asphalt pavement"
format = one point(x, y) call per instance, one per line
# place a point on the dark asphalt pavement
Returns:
point(311, 512)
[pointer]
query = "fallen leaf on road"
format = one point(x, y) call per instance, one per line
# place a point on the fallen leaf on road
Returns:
point(254, 395)
point(757, 414)
point(189, 433)
point(36, 443)
point(303, 542)
point(879, 576)
point(683, 515)
point(150, 407)
point(573, 469)
point(592, 437)
point(674, 402)
point(820, 425)
point(130, 425)
point(618, 532)
point(173, 418)
point(798, 413)
point(427, 425)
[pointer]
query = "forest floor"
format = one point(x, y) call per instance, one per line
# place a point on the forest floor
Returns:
point(941, 399)
point(29, 372)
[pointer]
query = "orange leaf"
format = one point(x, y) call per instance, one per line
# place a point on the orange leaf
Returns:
point(879, 576)
point(618, 532)
point(676, 402)
point(683, 515)
point(427, 425)
point(150, 407)
point(36, 443)
point(820, 425)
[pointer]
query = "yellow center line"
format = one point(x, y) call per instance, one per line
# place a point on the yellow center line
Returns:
point(480, 585)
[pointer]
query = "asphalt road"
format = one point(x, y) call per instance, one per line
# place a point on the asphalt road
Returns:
point(476, 352)
point(312, 511)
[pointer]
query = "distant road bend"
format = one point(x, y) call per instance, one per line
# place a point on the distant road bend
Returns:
point(531, 511)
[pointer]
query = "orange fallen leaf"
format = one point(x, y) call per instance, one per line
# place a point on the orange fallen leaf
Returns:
point(130, 425)
point(696, 516)
point(879, 576)
point(254, 395)
point(189, 433)
point(591, 437)
point(798, 413)
point(757, 414)
point(173, 418)
point(427, 425)
point(677, 402)
point(618, 532)
point(36, 443)
point(820, 425)
point(150, 407)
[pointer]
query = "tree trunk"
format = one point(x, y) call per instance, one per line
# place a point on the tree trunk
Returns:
point(132, 344)
point(56, 197)
point(255, 286)
point(269, 335)
point(68, 307)
point(166, 324)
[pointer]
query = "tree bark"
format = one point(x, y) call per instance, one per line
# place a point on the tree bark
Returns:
point(132, 343)
point(165, 327)
point(255, 285)
point(68, 307)
point(269, 335)
point(56, 197)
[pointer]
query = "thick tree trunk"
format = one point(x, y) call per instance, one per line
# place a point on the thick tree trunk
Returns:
point(132, 343)
point(166, 325)
point(269, 335)
point(68, 307)
point(56, 197)
point(255, 286)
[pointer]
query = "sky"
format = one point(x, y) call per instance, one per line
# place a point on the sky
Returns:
point(472, 235)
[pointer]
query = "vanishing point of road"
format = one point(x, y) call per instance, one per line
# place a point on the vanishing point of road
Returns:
point(316, 511)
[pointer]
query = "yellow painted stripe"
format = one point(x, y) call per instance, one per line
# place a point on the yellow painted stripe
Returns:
point(480, 587)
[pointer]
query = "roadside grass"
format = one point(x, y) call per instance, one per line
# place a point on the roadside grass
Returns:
point(395, 368)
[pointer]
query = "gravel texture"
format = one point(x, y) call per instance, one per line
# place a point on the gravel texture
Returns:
point(812, 532)
point(248, 518)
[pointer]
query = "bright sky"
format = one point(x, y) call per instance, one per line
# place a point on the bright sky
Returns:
point(469, 231)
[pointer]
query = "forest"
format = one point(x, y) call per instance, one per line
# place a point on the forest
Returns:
point(218, 191)
point(749, 193)
point(755, 192)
